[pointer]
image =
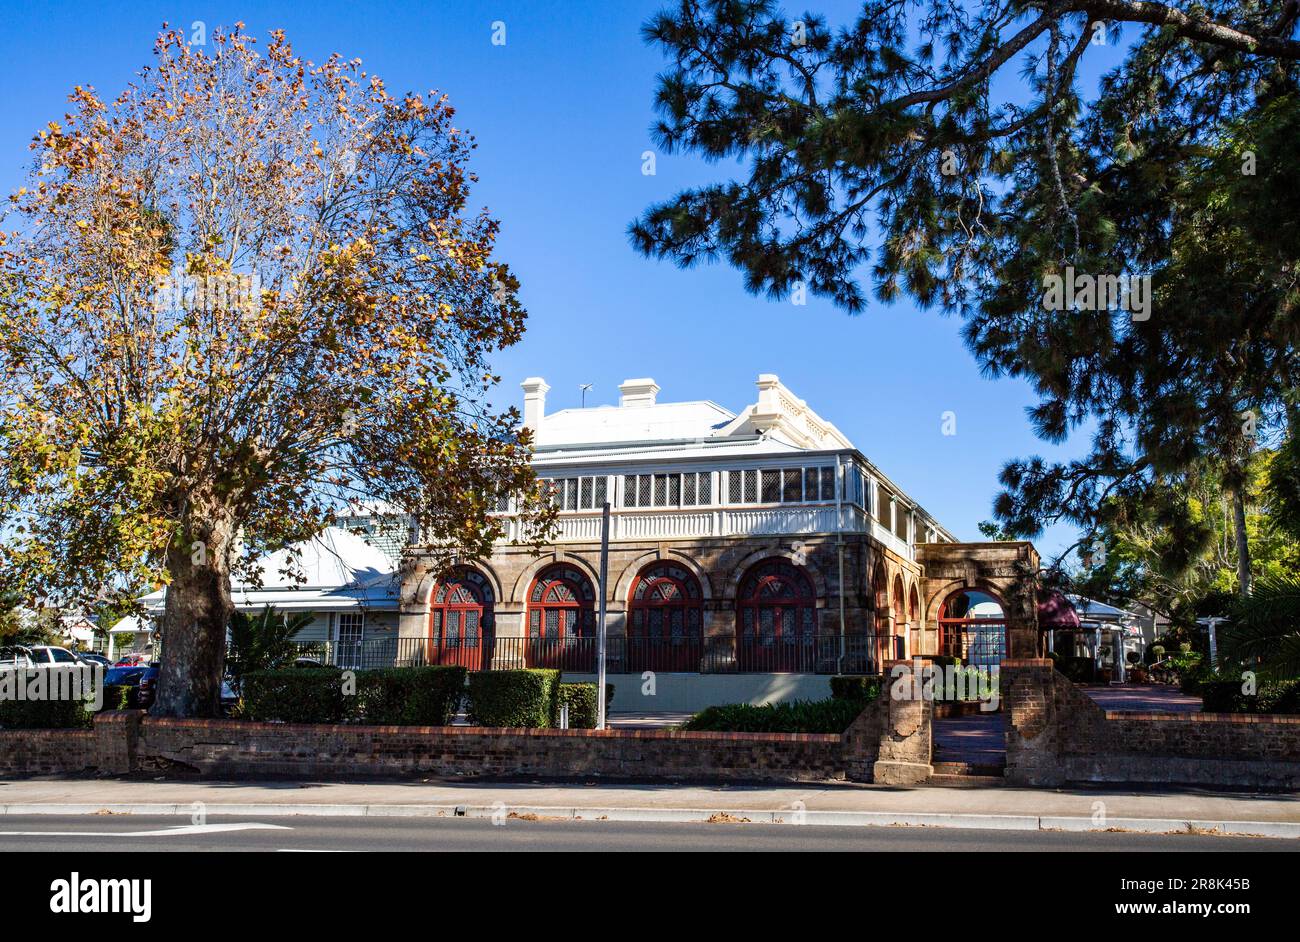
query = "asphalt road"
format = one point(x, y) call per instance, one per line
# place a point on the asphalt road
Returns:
point(161, 833)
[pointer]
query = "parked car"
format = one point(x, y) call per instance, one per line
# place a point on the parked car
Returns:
point(88, 657)
point(45, 655)
point(148, 686)
point(132, 660)
point(15, 656)
point(126, 677)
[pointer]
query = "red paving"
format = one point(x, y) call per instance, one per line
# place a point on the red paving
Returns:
point(1134, 698)
point(979, 739)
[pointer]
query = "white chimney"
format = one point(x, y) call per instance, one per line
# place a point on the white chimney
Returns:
point(535, 389)
point(638, 392)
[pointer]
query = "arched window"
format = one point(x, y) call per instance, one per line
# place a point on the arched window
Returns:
point(665, 627)
point(900, 620)
point(562, 620)
point(973, 627)
point(460, 620)
point(776, 619)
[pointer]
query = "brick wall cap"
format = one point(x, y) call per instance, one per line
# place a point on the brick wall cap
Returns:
point(162, 723)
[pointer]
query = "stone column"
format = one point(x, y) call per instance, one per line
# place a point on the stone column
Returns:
point(907, 734)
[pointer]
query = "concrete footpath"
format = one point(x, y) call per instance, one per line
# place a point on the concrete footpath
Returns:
point(981, 807)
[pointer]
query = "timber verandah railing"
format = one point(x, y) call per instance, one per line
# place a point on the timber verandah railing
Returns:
point(857, 653)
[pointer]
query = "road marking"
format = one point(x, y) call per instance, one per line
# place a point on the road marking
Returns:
point(164, 832)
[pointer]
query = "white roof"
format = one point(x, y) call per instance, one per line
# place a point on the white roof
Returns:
point(1091, 609)
point(703, 449)
point(342, 572)
point(668, 421)
point(131, 624)
point(333, 558)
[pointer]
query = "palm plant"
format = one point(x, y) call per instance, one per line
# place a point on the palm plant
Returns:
point(1264, 631)
point(263, 641)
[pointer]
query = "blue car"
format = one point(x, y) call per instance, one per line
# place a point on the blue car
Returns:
point(142, 681)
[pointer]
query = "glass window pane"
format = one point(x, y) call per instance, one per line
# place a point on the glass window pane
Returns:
point(585, 494)
point(661, 490)
point(674, 490)
point(601, 492)
point(828, 484)
point(751, 487)
point(704, 492)
point(688, 490)
point(644, 483)
point(734, 479)
point(629, 490)
point(792, 486)
point(771, 486)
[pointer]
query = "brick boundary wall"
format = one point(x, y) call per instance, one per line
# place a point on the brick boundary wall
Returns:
point(1057, 734)
point(129, 742)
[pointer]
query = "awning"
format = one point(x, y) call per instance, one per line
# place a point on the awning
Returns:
point(1055, 613)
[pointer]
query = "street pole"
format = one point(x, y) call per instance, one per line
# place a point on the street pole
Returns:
point(600, 618)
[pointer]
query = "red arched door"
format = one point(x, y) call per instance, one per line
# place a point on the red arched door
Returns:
point(562, 620)
point(665, 628)
point(776, 617)
point(460, 621)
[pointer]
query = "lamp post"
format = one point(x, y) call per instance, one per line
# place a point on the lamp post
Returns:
point(600, 617)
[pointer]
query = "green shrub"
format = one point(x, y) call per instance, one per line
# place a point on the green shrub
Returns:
point(855, 687)
point(801, 716)
point(120, 697)
point(581, 699)
point(527, 698)
point(44, 714)
point(1223, 695)
point(409, 696)
point(295, 695)
point(54, 706)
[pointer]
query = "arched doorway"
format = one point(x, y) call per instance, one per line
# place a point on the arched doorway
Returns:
point(460, 621)
point(973, 627)
point(665, 624)
point(562, 620)
point(776, 618)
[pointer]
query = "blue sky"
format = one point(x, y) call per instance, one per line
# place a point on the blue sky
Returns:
point(561, 114)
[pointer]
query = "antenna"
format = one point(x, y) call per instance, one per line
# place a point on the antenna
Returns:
point(584, 387)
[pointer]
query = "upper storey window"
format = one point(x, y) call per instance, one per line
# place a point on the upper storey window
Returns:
point(781, 485)
point(586, 493)
point(692, 489)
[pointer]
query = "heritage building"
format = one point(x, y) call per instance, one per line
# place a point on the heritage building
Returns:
point(752, 554)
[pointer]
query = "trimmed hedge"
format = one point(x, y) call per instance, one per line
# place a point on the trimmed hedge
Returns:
point(855, 687)
point(410, 696)
point(44, 714)
point(581, 699)
point(295, 695)
point(396, 696)
point(801, 716)
point(1223, 695)
point(521, 698)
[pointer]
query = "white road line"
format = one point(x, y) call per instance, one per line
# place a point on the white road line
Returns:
point(165, 832)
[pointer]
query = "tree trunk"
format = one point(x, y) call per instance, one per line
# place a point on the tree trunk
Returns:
point(195, 620)
point(1243, 544)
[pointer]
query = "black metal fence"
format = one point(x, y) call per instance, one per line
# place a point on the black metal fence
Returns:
point(804, 654)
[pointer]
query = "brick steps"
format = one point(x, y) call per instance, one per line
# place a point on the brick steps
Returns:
point(965, 774)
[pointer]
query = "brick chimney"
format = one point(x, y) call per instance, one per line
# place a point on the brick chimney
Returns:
point(638, 392)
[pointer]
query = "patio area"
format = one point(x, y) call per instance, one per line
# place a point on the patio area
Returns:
point(1143, 698)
